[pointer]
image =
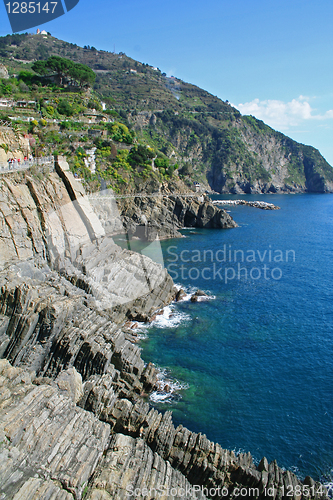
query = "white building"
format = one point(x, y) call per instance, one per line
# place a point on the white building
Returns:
point(6, 103)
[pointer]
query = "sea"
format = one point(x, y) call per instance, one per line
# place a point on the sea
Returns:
point(251, 364)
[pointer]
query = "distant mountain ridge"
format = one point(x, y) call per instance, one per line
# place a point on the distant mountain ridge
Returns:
point(209, 139)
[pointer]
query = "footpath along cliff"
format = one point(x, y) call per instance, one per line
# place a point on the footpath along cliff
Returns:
point(73, 418)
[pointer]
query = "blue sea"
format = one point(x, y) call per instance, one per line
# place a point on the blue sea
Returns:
point(252, 367)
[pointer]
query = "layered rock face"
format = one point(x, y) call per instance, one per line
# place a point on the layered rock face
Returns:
point(204, 463)
point(50, 448)
point(163, 216)
point(73, 421)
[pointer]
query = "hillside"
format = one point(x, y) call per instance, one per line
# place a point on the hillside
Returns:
point(201, 137)
point(75, 417)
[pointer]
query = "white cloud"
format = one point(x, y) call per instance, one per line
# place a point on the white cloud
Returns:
point(282, 115)
point(329, 114)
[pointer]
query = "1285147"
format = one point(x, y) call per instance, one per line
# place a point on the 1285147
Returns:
point(31, 7)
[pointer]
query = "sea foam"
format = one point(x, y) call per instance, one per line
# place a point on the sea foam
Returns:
point(167, 388)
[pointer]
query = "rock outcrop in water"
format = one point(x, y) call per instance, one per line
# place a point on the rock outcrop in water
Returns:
point(164, 215)
point(263, 205)
point(73, 421)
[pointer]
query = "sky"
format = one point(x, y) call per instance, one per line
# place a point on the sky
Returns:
point(271, 59)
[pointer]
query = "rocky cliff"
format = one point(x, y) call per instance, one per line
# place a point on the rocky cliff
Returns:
point(164, 215)
point(238, 154)
point(12, 145)
point(74, 421)
point(204, 136)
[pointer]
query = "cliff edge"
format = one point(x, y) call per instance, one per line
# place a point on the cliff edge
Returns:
point(74, 421)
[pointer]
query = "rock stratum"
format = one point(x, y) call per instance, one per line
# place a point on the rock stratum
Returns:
point(74, 421)
point(164, 215)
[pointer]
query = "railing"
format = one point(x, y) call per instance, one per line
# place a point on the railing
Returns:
point(6, 123)
point(110, 193)
point(15, 166)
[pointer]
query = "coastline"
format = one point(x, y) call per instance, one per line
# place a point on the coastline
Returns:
point(61, 330)
point(252, 335)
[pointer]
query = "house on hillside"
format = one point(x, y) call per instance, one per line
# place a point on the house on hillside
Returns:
point(97, 133)
point(94, 117)
point(6, 103)
point(89, 161)
point(25, 104)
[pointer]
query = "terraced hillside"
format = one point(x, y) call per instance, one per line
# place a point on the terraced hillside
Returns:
point(207, 139)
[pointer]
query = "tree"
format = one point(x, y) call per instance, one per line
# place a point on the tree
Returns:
point(41, 68)
point(63, 67)
point(66, 70)
point(64, 108)
point(140, 155)
point(82, 74)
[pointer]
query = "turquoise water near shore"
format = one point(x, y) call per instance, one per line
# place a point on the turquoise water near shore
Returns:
point(256, 363)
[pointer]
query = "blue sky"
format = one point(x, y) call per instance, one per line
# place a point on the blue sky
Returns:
point(272, 59)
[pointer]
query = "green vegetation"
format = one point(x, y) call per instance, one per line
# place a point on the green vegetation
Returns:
point(140, 156)
point(120, 133)
point(67, 71)
point(153, 126)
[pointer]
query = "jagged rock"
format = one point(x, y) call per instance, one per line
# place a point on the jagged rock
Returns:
point(70, 384)
point(45, 437)
point(37, 489)
point(263, 465)
point(163, 215)
point(131, 470)
point(197, 295)
point(149, 377)
point(46, 327)
point(201, 461)
point(180, 295)
point(65, 289)
point(50, 448)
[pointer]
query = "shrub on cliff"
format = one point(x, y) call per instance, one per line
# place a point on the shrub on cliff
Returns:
point(120, 133)
point(140, 156)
